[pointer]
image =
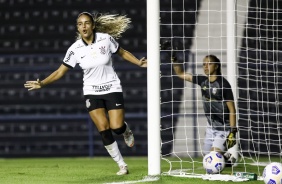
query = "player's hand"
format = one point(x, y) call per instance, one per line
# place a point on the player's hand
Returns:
point(167, 45)
point(231, 138)
point(31, 85)
point(143, 62)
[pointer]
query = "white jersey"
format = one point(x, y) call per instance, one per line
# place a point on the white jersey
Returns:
point(95, 59)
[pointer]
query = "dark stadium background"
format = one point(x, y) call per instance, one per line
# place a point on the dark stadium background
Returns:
point(53, 121)
point(34, 36)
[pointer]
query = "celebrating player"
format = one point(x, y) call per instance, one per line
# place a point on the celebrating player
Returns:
point(102, 90)
point(218, 102)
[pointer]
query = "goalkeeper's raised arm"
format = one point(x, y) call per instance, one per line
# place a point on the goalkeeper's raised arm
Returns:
point(178, 69)
point(167, 45)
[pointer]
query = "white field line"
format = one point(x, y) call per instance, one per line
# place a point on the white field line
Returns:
point(145, 179)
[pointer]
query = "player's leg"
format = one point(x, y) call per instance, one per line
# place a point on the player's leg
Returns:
point(120, 127)
point(219, 145)
point(115, 106)
point(209, 137)
point(219, 141)
point(98, 115)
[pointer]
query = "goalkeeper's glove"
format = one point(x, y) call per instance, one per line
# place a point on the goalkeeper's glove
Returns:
point(167, 45)
point(231, 138)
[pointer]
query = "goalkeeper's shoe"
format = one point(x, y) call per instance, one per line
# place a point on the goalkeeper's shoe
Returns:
point(122, 170)
point(231, 156)
point(229, 159)
point(128, 136)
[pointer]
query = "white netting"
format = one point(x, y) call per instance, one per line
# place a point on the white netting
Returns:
point(198, 28)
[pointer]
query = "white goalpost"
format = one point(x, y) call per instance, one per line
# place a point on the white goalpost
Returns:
point(153, 85)
point(246, 35)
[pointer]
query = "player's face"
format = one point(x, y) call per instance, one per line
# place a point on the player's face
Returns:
point(210, 68)
point(85, 26)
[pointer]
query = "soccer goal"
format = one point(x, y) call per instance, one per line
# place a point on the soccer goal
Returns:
point(246, 36)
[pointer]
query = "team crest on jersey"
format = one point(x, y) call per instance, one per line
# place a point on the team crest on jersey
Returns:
point(214, 90)
point(103, 50)
point(94, 54)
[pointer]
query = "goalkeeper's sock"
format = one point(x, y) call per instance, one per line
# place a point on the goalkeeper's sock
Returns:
point(227, 156)
point(227, 162)
point(115, 153)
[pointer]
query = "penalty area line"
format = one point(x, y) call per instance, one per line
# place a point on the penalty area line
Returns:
point(145, 179)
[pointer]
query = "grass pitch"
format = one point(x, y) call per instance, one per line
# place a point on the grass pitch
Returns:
point(85, 171)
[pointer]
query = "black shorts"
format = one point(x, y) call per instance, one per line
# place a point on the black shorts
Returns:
point(108, 101)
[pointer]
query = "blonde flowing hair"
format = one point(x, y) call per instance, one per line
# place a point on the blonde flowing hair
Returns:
point(113, 24)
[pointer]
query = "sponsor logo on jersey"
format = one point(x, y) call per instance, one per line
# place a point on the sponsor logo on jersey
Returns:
point(102, 88)
point(103, 50)
point(69, 56)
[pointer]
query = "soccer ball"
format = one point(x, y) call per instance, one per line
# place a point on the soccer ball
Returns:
point(272, 173)
point(213, 162)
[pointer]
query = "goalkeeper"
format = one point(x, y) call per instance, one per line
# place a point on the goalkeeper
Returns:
point(218, 103)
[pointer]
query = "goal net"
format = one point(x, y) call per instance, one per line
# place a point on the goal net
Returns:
point(199, 28)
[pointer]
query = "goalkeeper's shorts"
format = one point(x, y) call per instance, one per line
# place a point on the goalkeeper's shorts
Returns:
point(215, 139)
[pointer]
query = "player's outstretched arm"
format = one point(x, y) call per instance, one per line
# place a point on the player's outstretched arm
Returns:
point(32, 85)
point(131, 58)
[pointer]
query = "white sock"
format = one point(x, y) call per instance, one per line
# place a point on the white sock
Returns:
point(115, 153)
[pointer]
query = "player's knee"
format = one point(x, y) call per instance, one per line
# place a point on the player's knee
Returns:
point(120, 130)
point(107, 137)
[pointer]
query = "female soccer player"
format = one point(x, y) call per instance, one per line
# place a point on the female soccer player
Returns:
point(218, 102)
point(102, 90)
